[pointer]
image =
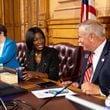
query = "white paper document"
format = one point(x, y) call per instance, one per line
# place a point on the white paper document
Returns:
point(85, 103)
point(46, 93)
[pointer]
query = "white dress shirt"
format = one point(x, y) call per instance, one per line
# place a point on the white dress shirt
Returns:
point(1, 48)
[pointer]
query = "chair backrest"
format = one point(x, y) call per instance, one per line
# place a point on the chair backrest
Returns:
point(70, 59)
point(69, 55)
point(21, 51)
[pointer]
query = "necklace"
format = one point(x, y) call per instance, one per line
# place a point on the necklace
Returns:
point(38, 55)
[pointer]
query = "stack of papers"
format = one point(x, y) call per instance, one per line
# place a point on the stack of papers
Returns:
point(9, 78)
point(85, 103)
point(46, 93)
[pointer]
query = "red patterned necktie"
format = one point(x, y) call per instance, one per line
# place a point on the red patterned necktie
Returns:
point(89, 69)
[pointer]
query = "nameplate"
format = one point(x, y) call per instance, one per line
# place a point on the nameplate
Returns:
point(9, 78)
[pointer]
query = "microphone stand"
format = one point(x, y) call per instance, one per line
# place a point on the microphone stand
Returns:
point(48, 100)
point(3, 104)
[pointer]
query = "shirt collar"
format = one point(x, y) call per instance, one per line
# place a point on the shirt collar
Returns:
point(100, 48)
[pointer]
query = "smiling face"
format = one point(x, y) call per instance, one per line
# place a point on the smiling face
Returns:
point(85, 40)
point(39, 42)
point(91, 35)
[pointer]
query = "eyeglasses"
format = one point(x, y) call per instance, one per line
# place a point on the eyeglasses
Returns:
point(17, 105)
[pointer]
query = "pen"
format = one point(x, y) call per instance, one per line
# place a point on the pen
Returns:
point(46, 92)
point(56, 91)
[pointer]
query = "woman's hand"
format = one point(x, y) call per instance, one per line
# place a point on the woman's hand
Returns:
point(75, 84)
point(31, 74)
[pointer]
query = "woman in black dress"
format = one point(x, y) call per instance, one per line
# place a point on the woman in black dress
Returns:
point(42, 61)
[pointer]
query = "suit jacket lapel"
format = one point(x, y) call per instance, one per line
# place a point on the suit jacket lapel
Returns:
point(101, 61)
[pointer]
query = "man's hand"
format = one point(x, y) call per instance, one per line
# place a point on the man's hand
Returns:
point(90, 88)
point(74, 84)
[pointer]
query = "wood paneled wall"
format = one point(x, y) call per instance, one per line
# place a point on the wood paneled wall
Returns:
point(19, 15)
point(63, 23)
point(59, 19)
point(63, 30)
point(8, 7)
point(1, 12)
point(65, 18)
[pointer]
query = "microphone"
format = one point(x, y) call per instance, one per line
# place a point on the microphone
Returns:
point(3, 104)
point(48, 100)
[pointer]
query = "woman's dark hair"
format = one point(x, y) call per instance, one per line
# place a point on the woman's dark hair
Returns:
point(30, 35)
point(3, 29)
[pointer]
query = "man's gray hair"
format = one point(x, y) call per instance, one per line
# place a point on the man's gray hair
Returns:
point(93, 26)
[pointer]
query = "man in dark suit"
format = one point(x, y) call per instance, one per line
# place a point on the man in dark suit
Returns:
point(92, 38)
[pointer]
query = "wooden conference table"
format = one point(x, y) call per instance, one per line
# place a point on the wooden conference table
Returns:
point(58, 103)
